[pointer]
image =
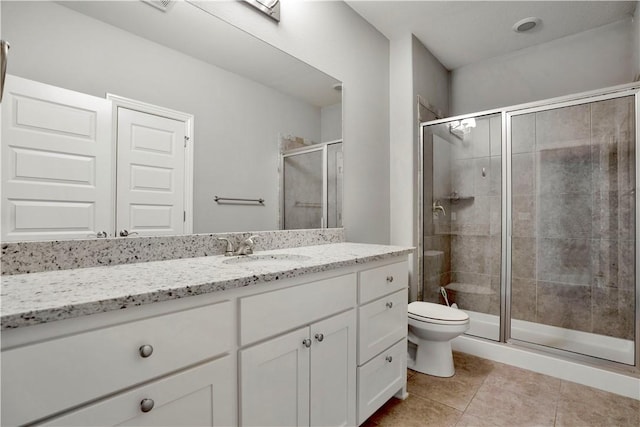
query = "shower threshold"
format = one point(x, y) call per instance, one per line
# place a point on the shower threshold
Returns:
point(609, 348)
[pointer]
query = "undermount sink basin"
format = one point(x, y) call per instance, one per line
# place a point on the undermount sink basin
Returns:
point(273, 259)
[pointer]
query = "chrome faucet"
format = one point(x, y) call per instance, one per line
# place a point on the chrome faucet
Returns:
point(246, 246)
point(438, 207)
point(229, 250)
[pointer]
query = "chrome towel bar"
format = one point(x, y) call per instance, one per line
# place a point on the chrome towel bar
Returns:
point(233, 199)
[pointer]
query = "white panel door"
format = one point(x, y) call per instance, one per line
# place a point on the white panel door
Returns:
point(333, 371)
point(56, 163)
point(151, 173)
point(274, 382)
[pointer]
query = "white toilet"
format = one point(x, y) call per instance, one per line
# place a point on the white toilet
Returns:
point(431, 328)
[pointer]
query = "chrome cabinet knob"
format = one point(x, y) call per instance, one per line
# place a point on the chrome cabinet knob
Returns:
point(146, 405)
point(306, 342)
point(319, 337)
point(146, 350)
point(389, 304)
point(389, 279)
point(388, 359)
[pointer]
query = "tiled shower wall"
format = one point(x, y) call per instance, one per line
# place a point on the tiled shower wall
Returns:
point(573, 217)
point(464, 244)
point(573, 199)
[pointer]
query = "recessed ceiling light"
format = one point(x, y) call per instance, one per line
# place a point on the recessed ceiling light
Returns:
point(526, 24)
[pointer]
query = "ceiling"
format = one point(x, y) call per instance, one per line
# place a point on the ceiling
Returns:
point(463, 32)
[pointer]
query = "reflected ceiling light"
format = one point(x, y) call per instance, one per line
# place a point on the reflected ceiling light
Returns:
point(526, 24)
point(271, 8)
point(163, 5)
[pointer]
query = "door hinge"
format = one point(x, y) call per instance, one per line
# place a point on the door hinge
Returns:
point(184, 216)
point(186, 139)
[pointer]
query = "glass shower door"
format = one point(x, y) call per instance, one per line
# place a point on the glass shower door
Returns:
point(462, 218)
point(573, 227)
point(303, 189)
point(312, 187)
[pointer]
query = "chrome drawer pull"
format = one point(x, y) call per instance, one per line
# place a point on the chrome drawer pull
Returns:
point(389, 304)
point(146, 405)
point(319, 337)
point(146, 350)
point(306, 342)
point(388, 359)
point(389, 279)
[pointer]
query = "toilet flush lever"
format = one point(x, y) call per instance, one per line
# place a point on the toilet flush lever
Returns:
point(437, 208)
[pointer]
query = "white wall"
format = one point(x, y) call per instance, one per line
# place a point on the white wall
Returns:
point(586, 61)
point(236, 120)
point(413, 71)
point(330, 36)
point(331, 123)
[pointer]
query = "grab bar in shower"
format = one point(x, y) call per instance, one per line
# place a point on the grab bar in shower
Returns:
point(234, 199)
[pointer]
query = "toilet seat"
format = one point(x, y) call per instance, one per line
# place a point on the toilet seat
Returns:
point(435, 313)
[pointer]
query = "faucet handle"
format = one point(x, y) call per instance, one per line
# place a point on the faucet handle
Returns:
point(246, 247)
point(249, 240)
point(229, 250)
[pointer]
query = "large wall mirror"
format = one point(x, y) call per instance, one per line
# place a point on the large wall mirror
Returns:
point(263, 125)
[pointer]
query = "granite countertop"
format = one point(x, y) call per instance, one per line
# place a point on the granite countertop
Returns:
point(30, 299)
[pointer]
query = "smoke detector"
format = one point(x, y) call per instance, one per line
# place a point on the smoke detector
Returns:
point(526, 24)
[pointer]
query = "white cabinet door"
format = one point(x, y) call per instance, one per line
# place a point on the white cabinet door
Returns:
point(151, 174)
point(56, 163)
point(274, 381)
point(333, 371)
point(201, 396)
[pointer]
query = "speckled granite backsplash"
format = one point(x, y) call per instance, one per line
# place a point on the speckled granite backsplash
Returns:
point(33, 257)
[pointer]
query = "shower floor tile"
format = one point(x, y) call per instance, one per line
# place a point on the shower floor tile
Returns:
point(487, 393)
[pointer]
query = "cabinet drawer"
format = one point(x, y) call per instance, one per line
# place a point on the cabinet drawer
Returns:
point(272, 313)
point(381, 378)
point(384, 280)
point(201, 396)
point(382, 322)
point(95, 363)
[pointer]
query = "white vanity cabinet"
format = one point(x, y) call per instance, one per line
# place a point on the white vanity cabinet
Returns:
point(196, 397)
point(382, 333)
point(51, 376)
point(324, 349)
point(306, 376)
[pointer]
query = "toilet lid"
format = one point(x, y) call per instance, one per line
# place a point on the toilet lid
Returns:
point(430, 310)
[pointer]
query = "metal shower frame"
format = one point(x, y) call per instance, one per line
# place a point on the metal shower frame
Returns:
point(630, 89)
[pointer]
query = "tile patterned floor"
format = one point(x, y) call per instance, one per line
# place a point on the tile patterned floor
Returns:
point(486, 393)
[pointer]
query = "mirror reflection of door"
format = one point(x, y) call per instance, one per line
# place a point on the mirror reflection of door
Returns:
point(150, 180)
point(59, 162)
point(56, 163)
